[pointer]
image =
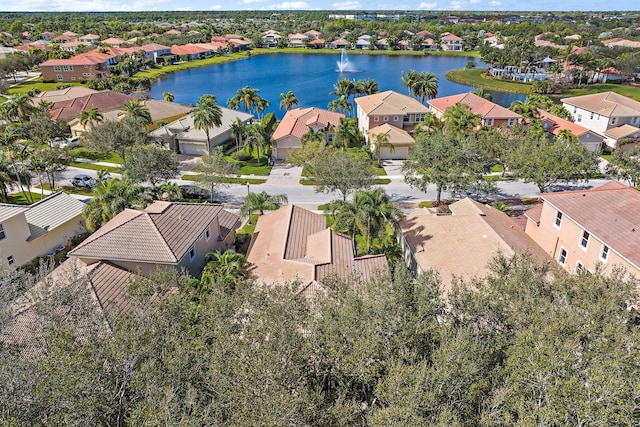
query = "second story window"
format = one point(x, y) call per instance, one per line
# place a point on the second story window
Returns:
point(562, 258)
point(604, 253)
point(192, 253)
point(385, 119)
point(406, 119)
point(395, 118)
point(488, 122)
point(57, 68)
point(584, 240)
point(558, 220)
point(420, 117)
point(2, 233)
point(614, 120)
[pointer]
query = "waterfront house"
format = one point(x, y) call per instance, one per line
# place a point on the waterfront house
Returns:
point(451, 42)
point(492, 114)
point(554, 125)
point(90, 38)
point(297, 40)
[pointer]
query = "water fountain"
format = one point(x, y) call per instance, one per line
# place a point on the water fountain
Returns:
point(344, 66)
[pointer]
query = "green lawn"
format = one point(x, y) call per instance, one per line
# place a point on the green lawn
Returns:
point(21, 198)
point(96, 156)
point(606, 157)
point(476, 77)
point(327, 51)
point(154, 73)
point(244, 234)
point(36, 84)
point(497, 168)
point(629, 91)
point(252, 166)
point(377, 181)
point(69, 189)
point(95, 167)
point(230, 180)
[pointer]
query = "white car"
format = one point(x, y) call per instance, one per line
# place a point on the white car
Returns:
point(73, 142)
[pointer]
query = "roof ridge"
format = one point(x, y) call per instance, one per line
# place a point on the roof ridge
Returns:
point(286, 239)
point(95, 236)
point(162, 238)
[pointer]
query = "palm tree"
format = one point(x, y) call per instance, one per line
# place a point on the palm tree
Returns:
point(238, 129)
point(526, 110)
point(226, 266)
point(169, 191)
point(17, 108)
point(459, 119)
point(255, 140)
point(288, 100)
point(134, 110)
point(347, 133)
point(246, 97)
point(168, 96)
point(262, 202)
point(313, 135)
point(426, 87)
point(409, 80)
point(380, 141)
point(109, 199)
point(340, 104)
point(367, 87)
point(7, 177)
point(344, 89)
point(91, 117)
point(207, 114)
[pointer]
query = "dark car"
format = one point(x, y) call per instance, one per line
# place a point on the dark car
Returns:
point(194, 192)
point(83, 181)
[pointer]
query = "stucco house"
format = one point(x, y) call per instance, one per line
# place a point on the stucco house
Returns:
point(297, 122)
point(600, 112)
point(182, 136)
point(90, 38)
point(554, 125)
point(27, 232)
point(166, 235)
point(492, 114)
point(297, 40)
point(451, 42)
point(396, 109)
point(293, 243)
point(400, 139)
point(585, 229)
point(463, 243)
point(614, 135)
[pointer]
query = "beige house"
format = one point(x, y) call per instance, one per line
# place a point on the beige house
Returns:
point(27, 232)
point(463, 243)
point(296, 123)
point(585, 229)
point(293, 243)
point(602, 112)
point(400, 139)
point(613, 135)
point(554, 125)
point(171, 235)
point(492, 114)
point(183, 137)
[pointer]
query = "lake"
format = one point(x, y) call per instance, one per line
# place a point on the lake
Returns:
point(310, 76)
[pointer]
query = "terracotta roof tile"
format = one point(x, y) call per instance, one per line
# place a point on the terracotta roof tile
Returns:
point(485, 108)
point(390, 102)
point(296, 122)
point(606, 103)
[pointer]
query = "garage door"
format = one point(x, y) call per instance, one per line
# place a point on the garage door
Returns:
point(193, 149)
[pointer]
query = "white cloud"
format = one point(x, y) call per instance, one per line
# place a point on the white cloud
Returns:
point(457, 5)
point(428, 6)
point(87, 6)
point(347, 5)
point(474, 1)
point(215, 7)
point(251, 1)
point(495, 3)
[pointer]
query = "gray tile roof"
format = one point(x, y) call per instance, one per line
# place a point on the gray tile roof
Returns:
point(52, 212)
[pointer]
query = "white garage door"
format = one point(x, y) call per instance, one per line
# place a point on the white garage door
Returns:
point(193, 149)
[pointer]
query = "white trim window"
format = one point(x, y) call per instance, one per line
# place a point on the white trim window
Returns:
point(604, 253)
point(614, 120)
point(395, 118)
point(579, 267)
point(192, 253)
point(3, 235)
point(558, 220)
point(562, 257)
point(57, 68)
point(207, 234)
point(376, 119)
point(584, 240)
point(59, 77)
point(11, 260)
point(488, 122)
point(385, 119)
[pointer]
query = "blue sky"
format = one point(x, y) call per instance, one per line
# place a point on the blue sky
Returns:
point(334, 5)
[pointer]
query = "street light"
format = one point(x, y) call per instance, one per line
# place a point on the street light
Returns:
point(247, 188)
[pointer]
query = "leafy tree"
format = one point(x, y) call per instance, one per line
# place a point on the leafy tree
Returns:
point(41, 129)
point(238, 131)
point(212, 173)
point(288, 100)
point(116, 137)
point(110, 198)
point(17, 109)
point(168, 96)
point(343, 173)
point(149, 163)
point(206, 115)
point(545, 163)
point(261, 202)
point(624, 165)
point(446, 160)
point(48, 162)
point(169, 191)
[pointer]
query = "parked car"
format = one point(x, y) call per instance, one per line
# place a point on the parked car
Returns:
point(73, 142)
point(83, 181)
point(194, 192)
point(55, 250)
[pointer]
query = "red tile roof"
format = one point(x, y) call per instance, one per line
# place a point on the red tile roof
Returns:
point(187, 49)
point(557, 124)
point(610, 213)
point(485, 108)
point(451, 38)
point(104, 101)
point(296, 122)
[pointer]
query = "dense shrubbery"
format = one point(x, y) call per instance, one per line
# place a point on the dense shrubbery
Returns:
point(515, 348)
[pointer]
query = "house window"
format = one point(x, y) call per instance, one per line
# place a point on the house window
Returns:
point(57, 68)
point(68, 68)
point(406, 119)
point(579, 119)
point(376, 119)
point(614, 120)
point(634, 120)
point(562, 259)
point(604, 253)
point(59, 76)
point(73, 78)
point(11, 260)
point(591, 118)
point(558, 220)
point(575, 110)
point(512, 122)
point(395, 118)
point(579, 267)
point(488, 122)
point(192, 253)
point(584, 241)
point(385, 119)
point(207, 234)
point(329, 137)
point(420, 117)
point(2, 233)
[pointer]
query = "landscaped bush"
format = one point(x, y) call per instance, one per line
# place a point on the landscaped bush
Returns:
point(242, 156)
